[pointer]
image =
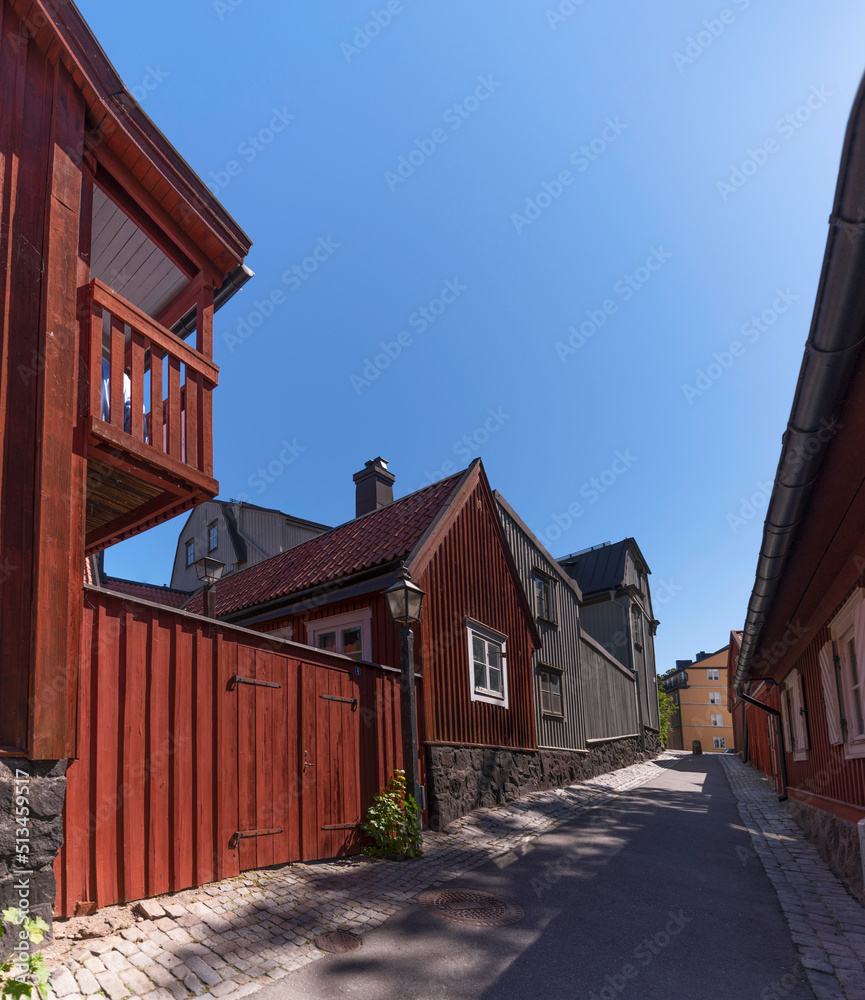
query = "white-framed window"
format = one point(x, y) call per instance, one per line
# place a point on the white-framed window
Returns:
point(212, 536)
point(717, 720)
point(544, 600)
point(842, 672)
point(794, 716)
point(713, 674)
point(349, 634)
point(550, 683)
point(190, 553)
point(488, 665)
point(719, 742)
point(715, 698)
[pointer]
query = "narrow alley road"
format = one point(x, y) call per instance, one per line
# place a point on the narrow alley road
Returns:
point(658, 894)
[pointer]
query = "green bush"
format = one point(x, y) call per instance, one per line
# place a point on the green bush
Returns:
point(392, 822)
point(36, 976)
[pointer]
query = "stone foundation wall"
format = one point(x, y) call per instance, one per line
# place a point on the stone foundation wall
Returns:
point(836, 840)
point(43, 794)
point(460, 779)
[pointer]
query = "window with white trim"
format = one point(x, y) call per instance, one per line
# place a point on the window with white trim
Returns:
point(715, 698)
point(717, 720)
point(190, 553)
point(349, 634)
point(713, 674)
point(212, 536)
point(550, 682)
point(719, 742)
point(794, 716)
point(842, 673)
point(544, 603)
point(488, 665)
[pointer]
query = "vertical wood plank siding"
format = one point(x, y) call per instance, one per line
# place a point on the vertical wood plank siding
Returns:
point(608, 694)
point(826, 772)
point(174, 760)
point(41, 455)
point(469, 576)
point(561, 642)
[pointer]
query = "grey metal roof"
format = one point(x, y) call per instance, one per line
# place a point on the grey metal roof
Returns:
point(601, 568)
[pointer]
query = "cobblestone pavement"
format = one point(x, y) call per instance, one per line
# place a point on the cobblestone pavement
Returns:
point(826, 922)
point(231, 938)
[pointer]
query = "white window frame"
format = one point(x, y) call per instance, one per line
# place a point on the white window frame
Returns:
point(189, 548)
point(851, 694)
point(713, 674)
point(540, 575)
point(717, 720)
point(715, 698)
point(213, 532)
point(548, 668)
point(795, 716)
point(362, 618)
point(719, 742)
point(494, 637)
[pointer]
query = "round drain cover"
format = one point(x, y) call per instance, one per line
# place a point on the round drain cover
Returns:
point(471, 906)
point(338, 942)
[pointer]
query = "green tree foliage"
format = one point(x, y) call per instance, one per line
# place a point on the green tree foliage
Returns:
point(667, 708)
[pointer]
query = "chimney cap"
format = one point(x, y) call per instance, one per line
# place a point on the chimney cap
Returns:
point(374, 486)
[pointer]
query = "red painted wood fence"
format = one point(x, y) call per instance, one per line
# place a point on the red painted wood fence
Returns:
point(207, 749)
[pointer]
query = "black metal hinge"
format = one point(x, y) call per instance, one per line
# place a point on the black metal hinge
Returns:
point(243, 834)
point(334, 697)
point(237, 679)
point(343, 826)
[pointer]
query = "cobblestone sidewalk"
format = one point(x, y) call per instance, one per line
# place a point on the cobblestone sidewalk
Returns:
point(231, 938)
point(826, 922)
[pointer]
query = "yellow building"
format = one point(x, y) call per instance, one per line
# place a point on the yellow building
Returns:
point(699, 689)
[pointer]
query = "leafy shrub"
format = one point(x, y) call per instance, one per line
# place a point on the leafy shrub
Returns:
point(391, 821)
point(22, 983)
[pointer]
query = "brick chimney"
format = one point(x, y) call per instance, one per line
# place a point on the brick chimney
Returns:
point(374, 487)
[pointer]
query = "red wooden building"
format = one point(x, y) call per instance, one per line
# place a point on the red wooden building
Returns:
point(475, 641)
point(802, 652)
point(113, 251)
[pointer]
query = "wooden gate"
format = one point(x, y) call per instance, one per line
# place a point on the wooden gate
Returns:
point(331, 799)
point(207, 749)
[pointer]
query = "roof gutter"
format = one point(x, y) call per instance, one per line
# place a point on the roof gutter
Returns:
point(236, 278)
point(831, 357)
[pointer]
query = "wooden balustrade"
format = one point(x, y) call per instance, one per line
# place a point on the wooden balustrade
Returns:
point(152, 423)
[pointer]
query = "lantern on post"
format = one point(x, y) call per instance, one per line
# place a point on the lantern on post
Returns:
point(405, 600)
point(209, 571)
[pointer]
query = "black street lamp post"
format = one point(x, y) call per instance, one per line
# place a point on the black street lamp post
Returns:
point(405, 600)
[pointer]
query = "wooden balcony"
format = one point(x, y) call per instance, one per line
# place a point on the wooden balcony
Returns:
point(148, 416)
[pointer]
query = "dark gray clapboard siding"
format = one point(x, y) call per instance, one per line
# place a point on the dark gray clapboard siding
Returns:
point(609, 698)
point(561, 642)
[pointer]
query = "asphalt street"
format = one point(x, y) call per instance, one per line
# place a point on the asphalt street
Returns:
point(656, 896)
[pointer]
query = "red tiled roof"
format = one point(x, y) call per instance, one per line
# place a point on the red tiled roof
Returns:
point(147, 592)
point(372, 540)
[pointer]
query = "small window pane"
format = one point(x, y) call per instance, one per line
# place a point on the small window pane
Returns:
point(479, 649)
point(190, 553)
point(480, 679)
point(351, 644)
point(213, 536)
point(327, 640)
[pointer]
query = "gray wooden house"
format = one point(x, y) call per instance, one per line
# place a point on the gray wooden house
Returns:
point(586, 703)
point(238, 534)
point(616, 612)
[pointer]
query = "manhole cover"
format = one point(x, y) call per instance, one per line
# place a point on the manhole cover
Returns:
point(471, 906)
point(338, 942)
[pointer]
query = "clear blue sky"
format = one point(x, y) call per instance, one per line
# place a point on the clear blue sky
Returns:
point(646, 240)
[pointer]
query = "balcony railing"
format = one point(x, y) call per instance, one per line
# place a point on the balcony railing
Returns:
point(149, 420)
